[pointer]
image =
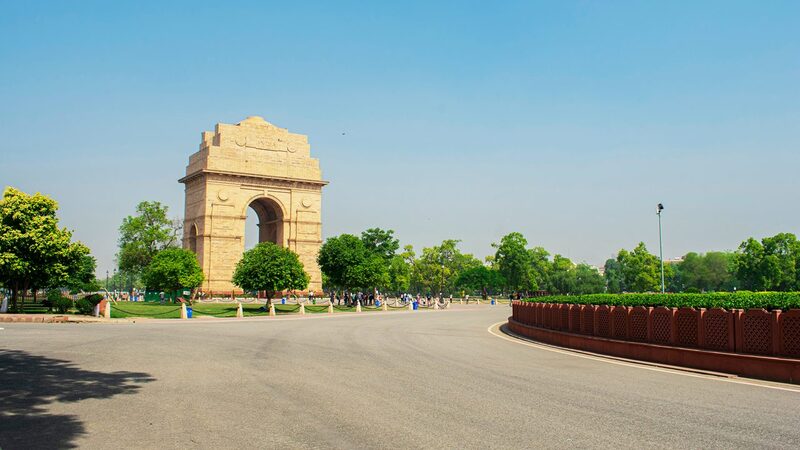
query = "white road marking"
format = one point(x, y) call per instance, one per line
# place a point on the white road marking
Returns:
point(499, 334)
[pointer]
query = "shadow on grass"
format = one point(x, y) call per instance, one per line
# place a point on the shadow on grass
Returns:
point(28, 383)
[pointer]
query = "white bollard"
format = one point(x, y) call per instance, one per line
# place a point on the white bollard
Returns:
point(358, 306)
point(4, 305)
point(271, 309)
point(461, 301)
point(411, 306)
point(184, 314)
point(96, 310)
point(330, 308)
point(107, 310)
point(239, 311)
point(302, 308)
point(385, 306)
point(435, 304)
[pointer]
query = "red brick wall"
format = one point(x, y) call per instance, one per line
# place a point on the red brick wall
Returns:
point(755, 331)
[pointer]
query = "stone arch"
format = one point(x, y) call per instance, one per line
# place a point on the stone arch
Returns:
point(271, 219)
point(192, 238)
point(251, 164)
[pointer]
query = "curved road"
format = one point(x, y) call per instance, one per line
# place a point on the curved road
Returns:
point(422, 380)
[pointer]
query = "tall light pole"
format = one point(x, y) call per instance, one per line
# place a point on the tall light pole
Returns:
point(660, 208)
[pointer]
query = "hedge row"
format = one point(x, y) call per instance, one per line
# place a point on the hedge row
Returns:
point(727, 300)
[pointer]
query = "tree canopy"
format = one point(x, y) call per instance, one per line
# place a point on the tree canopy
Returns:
point(144, 234)
point(514, 261)
point(270, 268)
point(34, 251)
point(172, 269)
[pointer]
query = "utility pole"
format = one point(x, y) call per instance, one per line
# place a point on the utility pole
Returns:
point(660, 208)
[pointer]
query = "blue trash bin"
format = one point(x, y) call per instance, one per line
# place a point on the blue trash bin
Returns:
point(378, 303)
point(283, 301)
point(492, 301)
point(189, 313)
point(416, 306)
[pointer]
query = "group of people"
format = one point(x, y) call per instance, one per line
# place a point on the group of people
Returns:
point(351, 298)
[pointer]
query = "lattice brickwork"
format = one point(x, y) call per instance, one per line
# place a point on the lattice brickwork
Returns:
point(638, 324)
point(757, 332)
point(662, 325)
point(587, 319)
point(619, 315)
point(686, 327)
point(790, 333)
point(603, 321)
point(575, 318)
point(716, 328)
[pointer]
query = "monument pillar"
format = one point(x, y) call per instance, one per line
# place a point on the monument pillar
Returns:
point(252, 164)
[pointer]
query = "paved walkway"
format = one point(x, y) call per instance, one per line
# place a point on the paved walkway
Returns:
point(428, 379)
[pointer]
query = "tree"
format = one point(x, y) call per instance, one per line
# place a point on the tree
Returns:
point(145, 234)
point(172, 269)
point(640, 269)
point(588, 280)
point(481, 278)
point(540, 269)
point(771, 264)
point(562, 276)
point(615, 282)
point(399, 274)
point(348, 264)
point(380, 242)
point(34, 251)
point(82, 275)
point(438, 268)
point(271, 268)
point(514, 261)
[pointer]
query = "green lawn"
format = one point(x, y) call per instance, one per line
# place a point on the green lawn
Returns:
point(173, 310)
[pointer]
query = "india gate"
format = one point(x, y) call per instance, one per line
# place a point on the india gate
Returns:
point(252, 164)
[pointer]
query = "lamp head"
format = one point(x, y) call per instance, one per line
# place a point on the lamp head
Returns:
point(659, 208)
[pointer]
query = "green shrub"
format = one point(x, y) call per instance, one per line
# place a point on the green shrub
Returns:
point(727, 300)
point(84, 306)
point(62, 304)
point(94, 299)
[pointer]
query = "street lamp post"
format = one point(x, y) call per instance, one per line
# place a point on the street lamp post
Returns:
point(660, 208)
point(106, 280)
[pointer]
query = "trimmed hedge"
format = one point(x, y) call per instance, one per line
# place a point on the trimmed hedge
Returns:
point(727, 300)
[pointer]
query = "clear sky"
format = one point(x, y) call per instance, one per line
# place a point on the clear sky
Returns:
point(566, 121)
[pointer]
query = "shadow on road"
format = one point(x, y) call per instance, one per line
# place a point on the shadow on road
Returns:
point(28, 383)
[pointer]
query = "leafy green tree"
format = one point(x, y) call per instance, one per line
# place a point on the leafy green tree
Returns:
point(348, 264)
point(399, 274)
point(270, 268)
point(615, 281)
point(514, 261)
point(143, 235)
point(481, 278)
point(82, 275)
point(562, 275)
point(438, 268)
point(540, 269)
point(588, 280)
point(771, 264)
point(640, 269)
point(380, 242)
point(172, 269)
point(34, 251)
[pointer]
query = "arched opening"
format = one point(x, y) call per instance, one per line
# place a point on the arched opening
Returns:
point(264, 223)
point(193, 238)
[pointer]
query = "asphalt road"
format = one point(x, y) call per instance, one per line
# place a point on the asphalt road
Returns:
point(434, 379)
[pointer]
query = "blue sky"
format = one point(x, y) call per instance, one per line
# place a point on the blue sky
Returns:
point(566, 121)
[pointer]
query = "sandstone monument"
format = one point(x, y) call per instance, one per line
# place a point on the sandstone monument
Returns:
point(252, 164)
